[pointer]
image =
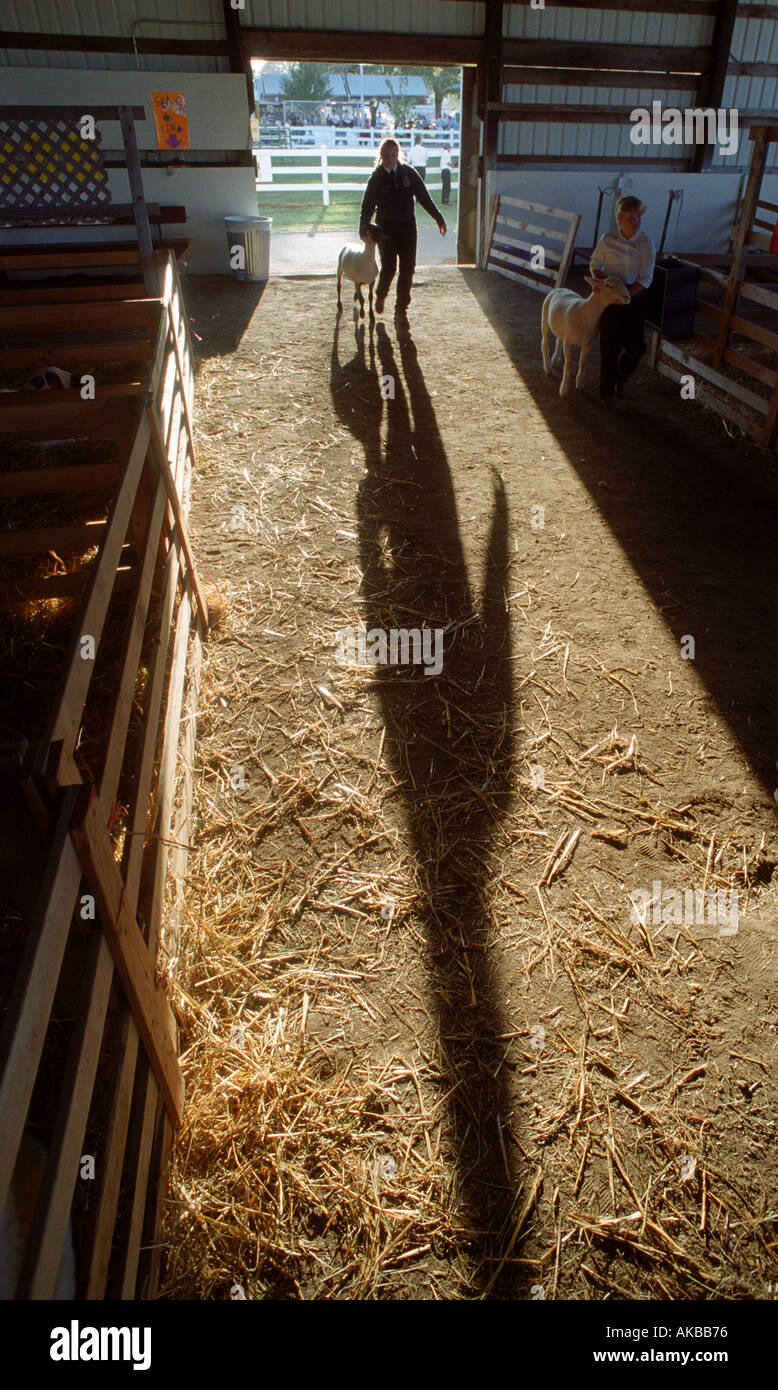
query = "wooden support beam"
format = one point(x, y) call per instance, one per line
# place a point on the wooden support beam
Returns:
point(163, 463)
point(597, 77)
point(711, 89)
point(340, 45)
point(112, 43)
point(491, 83)
point(238, 61)
point(134, 963)
point(747, 213)
point(142, 225)
point(633, 57)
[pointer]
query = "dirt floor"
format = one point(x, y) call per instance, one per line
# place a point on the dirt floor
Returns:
point(434, 1047)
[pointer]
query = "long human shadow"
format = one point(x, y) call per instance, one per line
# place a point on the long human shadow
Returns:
point(694, 512)
point(449, 741)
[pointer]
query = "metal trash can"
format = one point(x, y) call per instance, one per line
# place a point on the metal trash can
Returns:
point(252, 234)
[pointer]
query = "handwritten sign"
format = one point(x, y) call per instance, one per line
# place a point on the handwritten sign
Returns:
point(171, 120)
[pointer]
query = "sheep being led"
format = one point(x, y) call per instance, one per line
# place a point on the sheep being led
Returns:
point(574, 322)
point(358, 264)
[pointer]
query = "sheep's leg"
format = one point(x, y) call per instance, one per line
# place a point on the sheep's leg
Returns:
point(565, 387)
point(557, 358)
point(340, 282)
point(546, 334)
point(370, 300)
point(581, 365)
point(360, 299)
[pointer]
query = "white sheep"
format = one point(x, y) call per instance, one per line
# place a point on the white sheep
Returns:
point(358, 264)
point(574, 322)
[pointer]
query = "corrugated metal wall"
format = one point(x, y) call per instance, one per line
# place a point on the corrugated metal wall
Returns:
point(370, 16)
point(192, 19)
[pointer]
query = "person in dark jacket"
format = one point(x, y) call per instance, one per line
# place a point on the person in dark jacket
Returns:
point(391, 192)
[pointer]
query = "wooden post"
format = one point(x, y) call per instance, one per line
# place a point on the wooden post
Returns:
point(235, 49)
point(492, 69)
point(759, 135)
point(711, 89)
point(469, 149)
point(140, 211)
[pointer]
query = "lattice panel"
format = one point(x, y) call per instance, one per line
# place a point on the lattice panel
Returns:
point(48, 164)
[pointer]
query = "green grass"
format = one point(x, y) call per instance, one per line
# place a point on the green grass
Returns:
point(303, 212)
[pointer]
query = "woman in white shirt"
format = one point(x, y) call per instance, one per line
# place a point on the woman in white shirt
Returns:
point(628, 253)
point(419, 158)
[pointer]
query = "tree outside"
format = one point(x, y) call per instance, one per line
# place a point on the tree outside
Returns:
point(306, 82)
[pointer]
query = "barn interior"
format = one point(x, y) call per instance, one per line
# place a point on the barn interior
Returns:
point(325, 975)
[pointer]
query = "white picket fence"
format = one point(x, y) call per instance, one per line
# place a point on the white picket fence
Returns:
point(273, 169)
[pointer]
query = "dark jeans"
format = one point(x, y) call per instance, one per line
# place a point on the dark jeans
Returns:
point(622, 342)
point(398, 239)
point(445, 175)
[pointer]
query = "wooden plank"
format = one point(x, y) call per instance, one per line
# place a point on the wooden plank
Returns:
point(113, 751)
point(493, 214)
point(140, 211)
point(757, 294)
point(126, 289)
point(81, 536)
point(112, 43)
point(748, 208)
point(632, 57)
point(76, 318)
point(772, 417)
point(14, 591)
point(512, 261)
point(771, 207)
point(711, 89)
point(546, 232)
point(561, 213)
point(134, 963)
point(86, 477)
point(347, 45)
point(154, 887)
point(72, 256)
point(46, 1239)
point(596, 77)
point(705, 397)
point(98, 1240)
point(747, 364)
point(503, 239)
point(572, 161)
point(66, 716)
point(74, 355)
point(724, 383)
point(143, 772)
point(26, 1019)
point(163, 464)
point(138, 1160)
point(52, 420)
point(758, 240)
point(567, 254)
point(524, 280)
point(151, 1253)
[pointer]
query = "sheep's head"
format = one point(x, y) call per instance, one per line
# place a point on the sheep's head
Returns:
point(612, 289)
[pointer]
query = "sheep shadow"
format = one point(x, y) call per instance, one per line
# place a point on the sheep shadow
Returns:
point(449, 742)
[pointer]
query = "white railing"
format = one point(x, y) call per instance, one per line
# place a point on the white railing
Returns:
point(274, 171)
point(362, 137)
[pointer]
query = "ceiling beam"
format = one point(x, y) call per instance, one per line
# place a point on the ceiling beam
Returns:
point(630, 56)
point(711, 89)
point(353, 45)
point(598, 77)
point(114, 43)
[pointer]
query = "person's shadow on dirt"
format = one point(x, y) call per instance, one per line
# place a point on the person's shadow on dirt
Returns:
point(449, 743)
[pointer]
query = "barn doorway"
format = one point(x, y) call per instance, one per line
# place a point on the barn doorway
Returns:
point(315, 140)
